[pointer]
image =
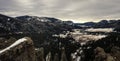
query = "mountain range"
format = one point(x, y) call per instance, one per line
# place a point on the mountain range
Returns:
point(40, 30)
point(102, 24)
point(31, 24)
point(34, 24)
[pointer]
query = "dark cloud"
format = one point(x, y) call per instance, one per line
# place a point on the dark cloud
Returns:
point(77, 10)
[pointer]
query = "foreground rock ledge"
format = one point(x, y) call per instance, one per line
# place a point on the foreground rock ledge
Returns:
point(21, 50)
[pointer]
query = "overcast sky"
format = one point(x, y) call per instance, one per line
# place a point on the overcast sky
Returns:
point(76, 10)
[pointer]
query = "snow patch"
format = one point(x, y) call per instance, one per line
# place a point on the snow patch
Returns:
point(13, 45)
point(84, 37)
point(99, 30)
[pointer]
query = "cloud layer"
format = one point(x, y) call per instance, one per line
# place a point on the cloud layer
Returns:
point(77, 10)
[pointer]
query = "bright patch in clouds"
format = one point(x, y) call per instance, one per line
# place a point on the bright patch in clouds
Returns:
point(24, 2)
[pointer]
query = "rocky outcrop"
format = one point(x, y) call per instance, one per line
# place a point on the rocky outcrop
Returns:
point(63, 55)
point(115, 52)
point(101, 55)
point(56, 58)
point(40, 54)
point(21, 50)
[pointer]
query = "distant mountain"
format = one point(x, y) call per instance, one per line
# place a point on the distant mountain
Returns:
point(89, 24)
point(34, 24)
point(101, 24)
point(68, 22)
point(107, 24)
point(47, 24)
point(31, 24)
point(42, 19)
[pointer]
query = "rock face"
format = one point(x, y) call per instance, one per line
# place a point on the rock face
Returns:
point(19, 51)
point(101, 55)
point(63, 56)
point(40, 54)
point(115, 52)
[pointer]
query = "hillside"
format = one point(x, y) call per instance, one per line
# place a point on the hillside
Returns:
point(57, 40)
point(33, 25)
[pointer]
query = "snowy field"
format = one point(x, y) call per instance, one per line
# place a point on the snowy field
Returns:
point(83, 36)
point(99, 30)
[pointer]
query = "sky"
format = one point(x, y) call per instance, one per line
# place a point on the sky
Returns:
point(75, 10)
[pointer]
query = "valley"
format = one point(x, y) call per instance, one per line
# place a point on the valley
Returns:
point(51, 39)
